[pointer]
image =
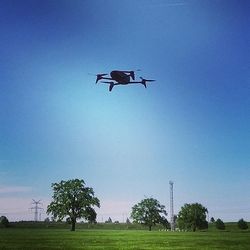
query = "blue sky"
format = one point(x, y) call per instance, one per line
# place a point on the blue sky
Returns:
point(191, 126)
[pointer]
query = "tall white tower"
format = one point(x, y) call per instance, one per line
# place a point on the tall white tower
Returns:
point(172, 206)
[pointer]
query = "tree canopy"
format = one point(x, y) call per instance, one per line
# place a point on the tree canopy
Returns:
point(72, 199)
point(149, 212)
point(219, 224)
point(192, 217)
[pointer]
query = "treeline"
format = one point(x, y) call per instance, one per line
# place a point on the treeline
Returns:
point(219, 224)
point(73, 201)
point(229, 226)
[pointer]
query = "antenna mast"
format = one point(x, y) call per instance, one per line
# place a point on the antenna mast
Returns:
point(172, 206)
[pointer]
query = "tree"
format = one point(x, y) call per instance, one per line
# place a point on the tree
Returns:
point(219, 224)
point(72, 199)
point(148, 212)
point(212, 220)
point(192, 217)
point(165, 222)
point(109, 220)
point(242, 224)
point(4, 221)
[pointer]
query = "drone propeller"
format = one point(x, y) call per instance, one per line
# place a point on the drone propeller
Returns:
point(144, 81)
point(99, 77)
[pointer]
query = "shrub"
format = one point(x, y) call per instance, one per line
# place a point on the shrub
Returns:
point(47, 220)
point(4, 221)
point(242, 224)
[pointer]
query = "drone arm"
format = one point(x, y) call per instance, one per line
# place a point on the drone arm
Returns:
point(133, 82)
point(101, 77)
point(143, 82)
point(111, 84)
point(107, 78)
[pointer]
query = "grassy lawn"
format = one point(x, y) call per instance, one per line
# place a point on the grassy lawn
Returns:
point(21, 238)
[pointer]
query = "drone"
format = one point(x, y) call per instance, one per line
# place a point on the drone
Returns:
point(121, 77)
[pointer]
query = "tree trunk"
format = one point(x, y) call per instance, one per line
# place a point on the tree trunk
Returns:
point(73, 224)
point(150, 227)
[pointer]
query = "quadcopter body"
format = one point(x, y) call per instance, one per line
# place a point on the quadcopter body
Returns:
point(121, 77)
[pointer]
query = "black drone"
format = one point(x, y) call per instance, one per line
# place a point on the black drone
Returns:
point(121, 77)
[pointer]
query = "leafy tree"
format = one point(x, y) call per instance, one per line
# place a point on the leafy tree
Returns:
point(165, 222)
point(219, 224)
point(4, 221)
point(148, 212)
point(242, 224)
point(192, 217)
point(72, 199)
point(109, 220)
point(212, 220)
point(91, 215)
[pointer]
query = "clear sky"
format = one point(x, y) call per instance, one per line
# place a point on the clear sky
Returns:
point(191, 126)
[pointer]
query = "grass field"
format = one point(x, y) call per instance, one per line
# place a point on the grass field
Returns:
point(53, 238)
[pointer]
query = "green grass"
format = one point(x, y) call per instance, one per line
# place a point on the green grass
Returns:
point(53, 238)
